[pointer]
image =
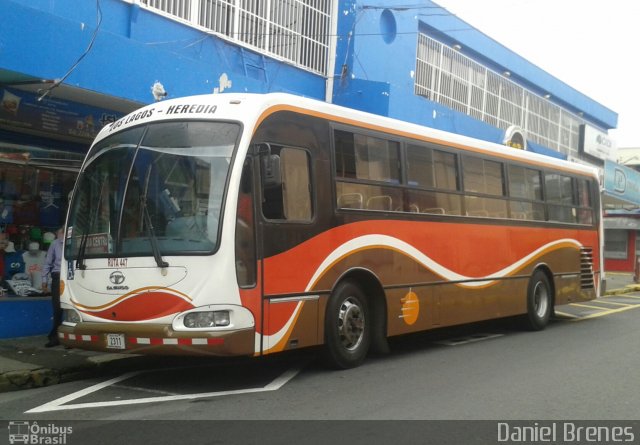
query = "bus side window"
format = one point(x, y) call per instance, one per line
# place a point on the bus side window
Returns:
point(286, 192)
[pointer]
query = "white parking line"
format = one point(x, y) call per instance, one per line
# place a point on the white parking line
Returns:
point(606, 312)
point(60, 404)
point(615, 303)
point(565, 314)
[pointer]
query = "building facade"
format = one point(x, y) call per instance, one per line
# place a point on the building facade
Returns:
point(622, 218)
point(69, 67)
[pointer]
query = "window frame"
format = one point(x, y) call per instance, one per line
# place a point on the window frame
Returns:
point(392, 188)
point(312, 185)
point(535, 202)
point(537, 209)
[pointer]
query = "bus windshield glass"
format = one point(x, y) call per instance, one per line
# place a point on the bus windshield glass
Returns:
point(156, 189)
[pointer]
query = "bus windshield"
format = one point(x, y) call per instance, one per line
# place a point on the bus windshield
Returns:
point(152, 190)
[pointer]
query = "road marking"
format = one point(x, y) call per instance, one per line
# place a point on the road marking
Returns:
point(600, 308)
point(615, 303)
point(564, 314)
point(50, 406)
point(59, 404)
point(635, 297)
point(606, 312)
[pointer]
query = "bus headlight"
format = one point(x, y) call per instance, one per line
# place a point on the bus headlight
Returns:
point(208, 319)
point(214, 317)
point(70, 316)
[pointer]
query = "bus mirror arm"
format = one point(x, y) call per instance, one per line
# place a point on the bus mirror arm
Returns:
point(261, 149)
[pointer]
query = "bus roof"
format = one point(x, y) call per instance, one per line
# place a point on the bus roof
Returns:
point(251, 109)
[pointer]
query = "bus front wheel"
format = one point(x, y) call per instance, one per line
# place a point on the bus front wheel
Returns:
point(539, 302)
point(347, 327)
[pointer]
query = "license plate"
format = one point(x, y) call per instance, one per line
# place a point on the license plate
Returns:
point(115, 341)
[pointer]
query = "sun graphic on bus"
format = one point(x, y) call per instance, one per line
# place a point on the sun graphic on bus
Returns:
point(410, 308)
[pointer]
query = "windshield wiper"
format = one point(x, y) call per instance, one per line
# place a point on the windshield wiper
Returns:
point(83, 245)
point(152, 234)
point(85, 236)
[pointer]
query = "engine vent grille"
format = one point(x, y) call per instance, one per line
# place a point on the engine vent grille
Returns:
point(586, 268)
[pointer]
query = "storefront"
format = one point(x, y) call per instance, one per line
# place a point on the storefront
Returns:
point(42, 145)
point(621, 196)
point(34, 195)
point(622, 241)
point(35, 184)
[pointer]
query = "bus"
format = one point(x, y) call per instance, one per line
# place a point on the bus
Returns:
point(250, 224)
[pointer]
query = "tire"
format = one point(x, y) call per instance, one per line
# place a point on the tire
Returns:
point(347, 327)
point(539, 302)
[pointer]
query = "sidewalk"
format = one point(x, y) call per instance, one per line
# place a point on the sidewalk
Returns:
point(26, 363)
point(620, 283)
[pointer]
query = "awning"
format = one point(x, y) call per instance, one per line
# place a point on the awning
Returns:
point(540, 149)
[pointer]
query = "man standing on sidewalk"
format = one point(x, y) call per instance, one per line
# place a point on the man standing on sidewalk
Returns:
point(52, 267)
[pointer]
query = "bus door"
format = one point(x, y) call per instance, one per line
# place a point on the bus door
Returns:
point(246, 255)
point(286, 214)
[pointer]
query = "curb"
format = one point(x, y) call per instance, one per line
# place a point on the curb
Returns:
point(625, 290)
point(41, 377)
point(34, 378)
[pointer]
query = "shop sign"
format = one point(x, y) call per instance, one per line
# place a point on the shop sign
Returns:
point(622, 182)
point(514, 137)
point(622, 223)
point(597, 143)
point(23, 110)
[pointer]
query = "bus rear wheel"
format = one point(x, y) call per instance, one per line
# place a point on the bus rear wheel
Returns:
point(347, 327)
point(539, 302)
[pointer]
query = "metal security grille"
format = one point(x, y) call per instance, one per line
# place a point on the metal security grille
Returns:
point(295, 30)
point(448, 77)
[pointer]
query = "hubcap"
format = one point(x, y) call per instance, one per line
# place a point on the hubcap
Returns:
point(350, 324)
point(541, 299)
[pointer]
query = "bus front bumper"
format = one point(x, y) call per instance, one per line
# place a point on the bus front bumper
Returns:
point(156, 339)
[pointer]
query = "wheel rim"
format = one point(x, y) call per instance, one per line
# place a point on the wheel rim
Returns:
point(541, 299)
point(351, 324)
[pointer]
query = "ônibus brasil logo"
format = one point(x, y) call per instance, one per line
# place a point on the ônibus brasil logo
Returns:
point(32, 433)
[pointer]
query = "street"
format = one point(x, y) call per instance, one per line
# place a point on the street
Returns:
point(581, 367)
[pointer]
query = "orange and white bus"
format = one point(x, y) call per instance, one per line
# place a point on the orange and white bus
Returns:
point(241, 224)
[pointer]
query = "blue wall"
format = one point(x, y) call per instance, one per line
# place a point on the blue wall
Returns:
point(375, 70)
point(375, 58)
point(134, 48)
point(375, 66)
point(23, 317)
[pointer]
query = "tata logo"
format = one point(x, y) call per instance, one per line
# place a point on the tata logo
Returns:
point(117, 278)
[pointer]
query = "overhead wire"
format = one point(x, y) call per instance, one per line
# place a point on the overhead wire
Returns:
point(45, 92)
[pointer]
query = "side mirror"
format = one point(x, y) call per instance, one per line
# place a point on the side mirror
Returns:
point(269, 165)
